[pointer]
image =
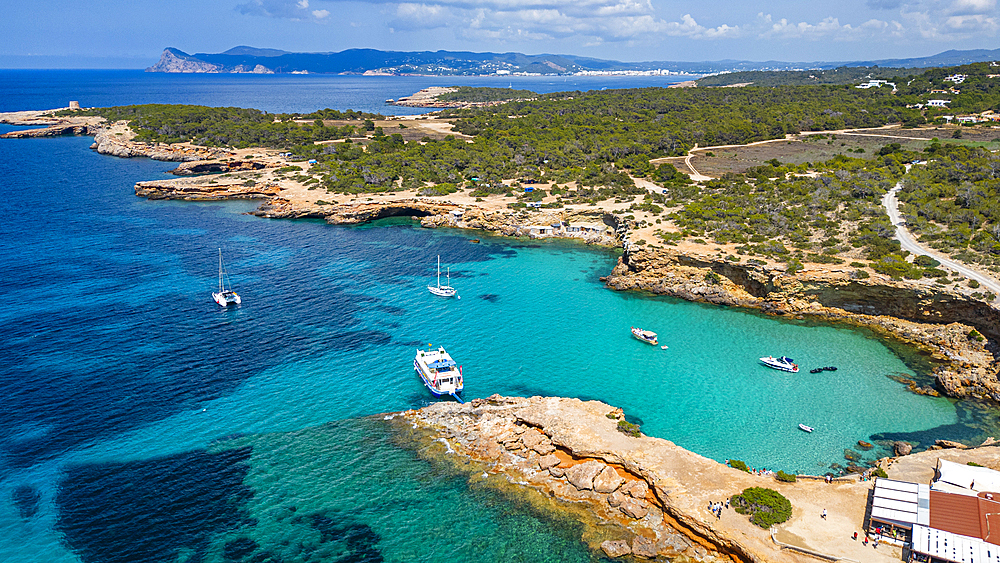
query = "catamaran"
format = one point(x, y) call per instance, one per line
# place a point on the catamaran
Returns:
point(439, 372)
point(647, 336)
point(442, 290)
point(225, 297)
point(783, 363)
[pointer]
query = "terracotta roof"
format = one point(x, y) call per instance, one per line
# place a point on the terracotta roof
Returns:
point(967, 515)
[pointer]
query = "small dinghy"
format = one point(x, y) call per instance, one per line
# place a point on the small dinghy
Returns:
point(805, 428)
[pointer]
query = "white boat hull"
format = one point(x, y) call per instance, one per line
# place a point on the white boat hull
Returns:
point(647, 336)
point(227, 298)
point(442, 291)
point(775, 363)
point(439, 372)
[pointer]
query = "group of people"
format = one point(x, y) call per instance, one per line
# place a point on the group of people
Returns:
point(716, 508)
point(874, 541)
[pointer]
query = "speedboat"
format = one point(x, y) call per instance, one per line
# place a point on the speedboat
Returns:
point(439, 372)
point(783, 363)
point(806, 428)
point(647, 336)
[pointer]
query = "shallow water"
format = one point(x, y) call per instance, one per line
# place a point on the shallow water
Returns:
point(142, 422)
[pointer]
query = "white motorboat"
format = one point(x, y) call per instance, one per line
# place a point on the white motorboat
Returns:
point(805, 428)
point(439, 372)
point(783, 363)
point(225, 297)
point(647, 336)
point(442, 290)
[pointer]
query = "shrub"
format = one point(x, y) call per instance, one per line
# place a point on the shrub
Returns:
point(973, 464)
point(974, 335)
point(859, 275)
point(629, 429)
point(712, 278)
point(879, 472)
point(793, 265)
point(973, 284)
point(766, 507)
point(784, 477)
point(737, 464)
point(926, 261)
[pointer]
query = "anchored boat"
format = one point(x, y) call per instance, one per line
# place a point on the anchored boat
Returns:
point(647, 336)
point(225, 297)
point(805, 428)
point(439, 372)
point(442, 290)
point(783, 363)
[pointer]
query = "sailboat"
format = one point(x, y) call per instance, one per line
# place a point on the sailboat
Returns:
point(442, 290)
point(225, 297)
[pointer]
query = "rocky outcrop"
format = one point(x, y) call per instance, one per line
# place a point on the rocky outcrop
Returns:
point(52, 131)
point(939, 321)
point(190, 191)
point(902, 448)
point(667, 515)
point(116, 140)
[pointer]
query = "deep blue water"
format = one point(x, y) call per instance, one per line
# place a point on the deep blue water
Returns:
point(46, 89)
point(141, 422)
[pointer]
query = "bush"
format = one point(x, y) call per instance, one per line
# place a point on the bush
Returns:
point(793, 265)
point(766, 507)
point(784, 477)
point(974, 335)
point(879, 472)
point(973, 464)
point(712, 278)
point(737, 464)
point(973, 284)
point(926, 261)
point(629, 429)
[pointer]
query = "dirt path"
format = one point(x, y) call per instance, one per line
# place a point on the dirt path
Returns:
point(909, 243)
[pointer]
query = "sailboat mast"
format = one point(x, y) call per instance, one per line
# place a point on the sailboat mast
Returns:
point(439, 270)
point(222, 287)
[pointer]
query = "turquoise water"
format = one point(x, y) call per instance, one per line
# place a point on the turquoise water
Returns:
point(142, 422)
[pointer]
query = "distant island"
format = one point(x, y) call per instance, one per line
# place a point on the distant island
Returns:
point(463, 63)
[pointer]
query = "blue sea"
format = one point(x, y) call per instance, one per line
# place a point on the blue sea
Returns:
point(142, 422)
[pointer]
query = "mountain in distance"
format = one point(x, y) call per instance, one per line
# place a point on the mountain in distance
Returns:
point(245, 59)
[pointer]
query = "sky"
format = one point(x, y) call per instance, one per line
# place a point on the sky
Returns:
point(132, 34)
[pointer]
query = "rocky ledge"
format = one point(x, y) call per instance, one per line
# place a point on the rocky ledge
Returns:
point(201, 191)
point(936, 320)
point(117, 140)
point(655, 495)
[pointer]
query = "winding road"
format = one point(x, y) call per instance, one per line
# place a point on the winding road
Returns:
point(910, 244)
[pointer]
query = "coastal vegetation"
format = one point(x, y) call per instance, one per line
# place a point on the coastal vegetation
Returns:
point(766, 507)
point(839, 75)
point(484, 94)
point(951, 203)
point(629, 429)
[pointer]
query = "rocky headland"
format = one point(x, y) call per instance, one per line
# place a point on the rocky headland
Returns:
point(651, 497)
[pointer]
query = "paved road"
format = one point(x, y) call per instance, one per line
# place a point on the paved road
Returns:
point(908, 243)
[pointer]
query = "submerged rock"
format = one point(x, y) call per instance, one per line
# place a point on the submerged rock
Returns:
point(902, 448)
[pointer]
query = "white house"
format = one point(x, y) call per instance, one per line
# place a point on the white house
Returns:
point(938, 103)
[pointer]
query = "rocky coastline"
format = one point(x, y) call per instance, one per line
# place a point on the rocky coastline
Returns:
point(936, 320)
point(651, 497)
point(941, 322)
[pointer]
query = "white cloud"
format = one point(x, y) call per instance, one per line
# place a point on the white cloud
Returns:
point(595, 22)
